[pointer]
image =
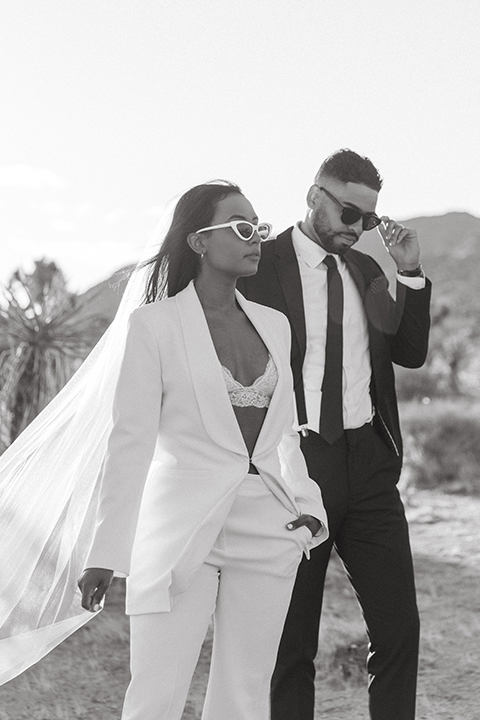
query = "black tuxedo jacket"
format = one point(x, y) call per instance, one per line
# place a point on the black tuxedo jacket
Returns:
point(398, 330)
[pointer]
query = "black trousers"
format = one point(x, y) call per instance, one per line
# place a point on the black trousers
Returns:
point(358, 476)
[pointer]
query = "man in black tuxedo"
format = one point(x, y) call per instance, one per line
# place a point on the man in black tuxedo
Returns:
point(346, 333)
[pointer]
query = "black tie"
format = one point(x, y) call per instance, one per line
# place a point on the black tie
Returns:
point(331, 410)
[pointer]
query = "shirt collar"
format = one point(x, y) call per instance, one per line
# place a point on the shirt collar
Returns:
point(311, 253)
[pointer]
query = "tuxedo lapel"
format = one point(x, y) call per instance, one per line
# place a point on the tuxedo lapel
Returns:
point(286, 264)
point(356, 273)
point(206, 373)
point(373, 289)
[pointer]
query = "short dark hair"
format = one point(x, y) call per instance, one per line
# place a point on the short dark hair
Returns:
point(348, 166)
point(176, 263)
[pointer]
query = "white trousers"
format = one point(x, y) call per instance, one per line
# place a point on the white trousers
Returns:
point(246, 583)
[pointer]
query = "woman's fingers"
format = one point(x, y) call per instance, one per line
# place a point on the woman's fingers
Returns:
point(94, 583)
point(311, 522)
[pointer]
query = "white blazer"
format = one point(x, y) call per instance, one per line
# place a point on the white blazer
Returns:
point(176, 455)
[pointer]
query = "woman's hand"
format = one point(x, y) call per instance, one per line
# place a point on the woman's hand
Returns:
point(94, 583)
point(312, 523)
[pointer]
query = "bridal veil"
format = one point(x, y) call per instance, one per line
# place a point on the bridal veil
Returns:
point(49, 485)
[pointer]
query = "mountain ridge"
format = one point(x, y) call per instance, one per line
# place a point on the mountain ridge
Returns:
point(450, 255)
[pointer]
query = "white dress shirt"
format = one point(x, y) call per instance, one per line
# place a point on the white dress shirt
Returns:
point(357, 370)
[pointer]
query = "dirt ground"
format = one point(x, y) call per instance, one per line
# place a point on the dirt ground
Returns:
point(85, 677)
point(445, 534)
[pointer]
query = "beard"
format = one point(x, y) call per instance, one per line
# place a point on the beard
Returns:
point(331, 241)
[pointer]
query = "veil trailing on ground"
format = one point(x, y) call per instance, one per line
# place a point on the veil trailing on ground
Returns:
point(49, 486)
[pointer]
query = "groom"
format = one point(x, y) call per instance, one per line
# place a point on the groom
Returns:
point(346, 333)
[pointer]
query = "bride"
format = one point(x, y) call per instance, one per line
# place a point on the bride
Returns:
point(169, 458)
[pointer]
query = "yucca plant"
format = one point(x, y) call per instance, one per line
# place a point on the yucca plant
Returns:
point(42, 342)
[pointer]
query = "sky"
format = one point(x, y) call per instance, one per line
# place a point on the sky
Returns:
point(111, 108)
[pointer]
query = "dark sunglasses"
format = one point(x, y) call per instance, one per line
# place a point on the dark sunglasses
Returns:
point(350, 215)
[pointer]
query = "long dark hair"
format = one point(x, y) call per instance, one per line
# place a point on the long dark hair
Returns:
point(176, 263)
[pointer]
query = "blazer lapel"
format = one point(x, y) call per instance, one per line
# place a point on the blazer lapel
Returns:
point(207, 377)
point(286, 264)
point(206, 373)
point(373, 289)
point(276, 414)
point(356, 274)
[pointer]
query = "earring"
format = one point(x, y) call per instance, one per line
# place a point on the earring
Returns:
point(202, 255)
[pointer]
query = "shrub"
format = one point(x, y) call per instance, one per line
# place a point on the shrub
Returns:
point(43, 340)
point(418, 384)
point(442, 446)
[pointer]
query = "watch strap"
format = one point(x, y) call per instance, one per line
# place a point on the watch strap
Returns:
point(417, 272)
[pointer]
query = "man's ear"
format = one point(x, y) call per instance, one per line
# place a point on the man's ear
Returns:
point(312, 196)
point(197, 243)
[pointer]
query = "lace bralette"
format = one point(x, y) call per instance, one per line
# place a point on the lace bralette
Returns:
point(256, 395)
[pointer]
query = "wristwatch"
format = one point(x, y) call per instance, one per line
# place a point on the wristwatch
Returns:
point(417, 272)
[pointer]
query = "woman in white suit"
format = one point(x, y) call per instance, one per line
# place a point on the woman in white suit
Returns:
point(205, 502)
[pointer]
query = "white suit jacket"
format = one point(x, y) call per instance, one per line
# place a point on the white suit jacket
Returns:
point(176, 455)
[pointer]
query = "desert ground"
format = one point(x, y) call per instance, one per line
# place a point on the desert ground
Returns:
point(85, 678)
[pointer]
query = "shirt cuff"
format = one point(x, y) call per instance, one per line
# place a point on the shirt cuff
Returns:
point(415, 283)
